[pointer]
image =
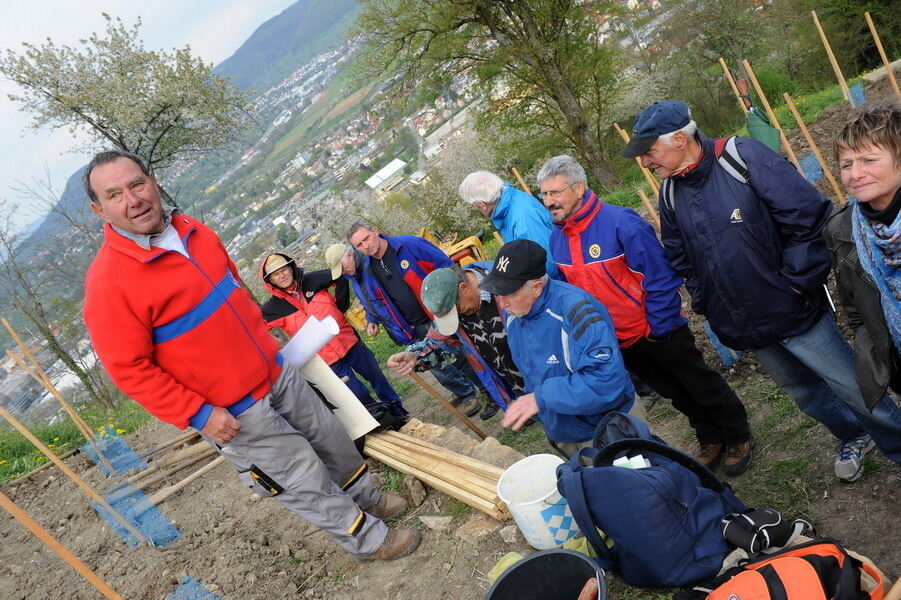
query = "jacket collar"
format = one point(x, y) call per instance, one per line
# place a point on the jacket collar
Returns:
point(502, 207)
point(131, 247)
point(576, 223)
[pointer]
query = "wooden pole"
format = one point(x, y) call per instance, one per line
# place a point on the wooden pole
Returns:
point(166, 492)
point(816, 151)
point(650, 208)
point(838, 71)
point(728, 72)
point(453, 409)
point(522, 182)
point(51, 542)
point(424, 447)
point(177, 440)
point(769, 111)
point(79, 423)
point(48, 384)
point(889, 72)
point(652, 181)
point(71, 475)
point(163, 474)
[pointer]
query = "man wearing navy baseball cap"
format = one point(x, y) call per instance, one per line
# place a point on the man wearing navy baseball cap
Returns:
point(744, 229)
point(564, 344)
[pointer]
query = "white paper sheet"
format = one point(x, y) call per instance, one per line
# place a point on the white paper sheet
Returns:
point(309, 340)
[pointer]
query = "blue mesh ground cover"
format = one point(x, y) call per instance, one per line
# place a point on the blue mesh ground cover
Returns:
point(118, 453)
point(191, 589)
point(810, 167)
point(137, 509)
point(857, 97)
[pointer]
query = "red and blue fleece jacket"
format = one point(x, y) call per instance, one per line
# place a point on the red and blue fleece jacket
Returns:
point(613, 254)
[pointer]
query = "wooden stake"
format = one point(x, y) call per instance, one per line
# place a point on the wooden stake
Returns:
point(769, 111)
point(889, 72)
point(161, 475)
point(652, 181)
point(838, 72)
point(816, 151)
point(453, 409)
point(728, 72)
point(522, 182)
point(71, 475)
point(175, 457)
point(51, 542)
point(177, 440)
point(649, 207)
point(424, 447)
point(79, 423)
point(164, 493)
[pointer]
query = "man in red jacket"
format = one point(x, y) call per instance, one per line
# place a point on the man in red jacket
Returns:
point(178, 333)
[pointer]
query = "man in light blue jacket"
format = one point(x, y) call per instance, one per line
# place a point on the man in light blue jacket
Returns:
point(516, 214)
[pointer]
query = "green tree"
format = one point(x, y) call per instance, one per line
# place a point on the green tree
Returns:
point(541, 60)
point(158, 105)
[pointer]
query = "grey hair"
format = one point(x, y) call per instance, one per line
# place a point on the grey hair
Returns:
point(356, 226)
point(689, 130)
point(106, 157)
point(481, 186)
point(562, 165)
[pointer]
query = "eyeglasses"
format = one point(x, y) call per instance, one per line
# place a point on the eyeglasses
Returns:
point(554, 194)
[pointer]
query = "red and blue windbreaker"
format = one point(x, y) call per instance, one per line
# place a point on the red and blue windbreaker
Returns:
point(416, 258)
point(614, 254)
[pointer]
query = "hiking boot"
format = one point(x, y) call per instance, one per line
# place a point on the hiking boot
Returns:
point(489, 411)
point(738, 457)
point(709, 454)
point(389, 506)
point(458, 400)
point(398, 543)
point(849, 458)
point(469, 407)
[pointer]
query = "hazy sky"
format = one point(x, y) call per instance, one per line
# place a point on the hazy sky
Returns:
point(213, 28)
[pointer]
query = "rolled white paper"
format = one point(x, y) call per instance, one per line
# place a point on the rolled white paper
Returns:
point(309, 340)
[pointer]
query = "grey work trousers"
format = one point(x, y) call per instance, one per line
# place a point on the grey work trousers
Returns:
point(299, 445)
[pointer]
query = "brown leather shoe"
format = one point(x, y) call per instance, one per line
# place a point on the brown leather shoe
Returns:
point(469, 407)
point(738, 457)
point(389, 506)
point(709, 454)
point(398, 543)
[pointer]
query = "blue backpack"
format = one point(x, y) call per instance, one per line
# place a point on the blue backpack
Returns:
point(664, 520)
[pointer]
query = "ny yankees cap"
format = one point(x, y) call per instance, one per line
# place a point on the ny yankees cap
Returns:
point(517, 262)
point(657, 119)
point(439, 294)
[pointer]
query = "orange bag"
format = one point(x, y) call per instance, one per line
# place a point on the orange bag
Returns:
point(817, 570)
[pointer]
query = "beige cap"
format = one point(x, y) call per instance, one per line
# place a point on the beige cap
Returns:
point(333, 256)
point(273, 263)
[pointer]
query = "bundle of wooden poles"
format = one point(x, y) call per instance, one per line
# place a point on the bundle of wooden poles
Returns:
point(174, 462)
point(462, 477)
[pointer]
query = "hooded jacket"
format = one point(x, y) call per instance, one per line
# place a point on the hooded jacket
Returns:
point(178, 335)
point(290, 311)
point(416, 258)
point(876, 361)
point(743, 247)
point(519, 215)
point(613, 254)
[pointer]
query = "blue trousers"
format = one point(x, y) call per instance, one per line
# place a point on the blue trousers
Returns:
point(817, 369)
point(360, 360)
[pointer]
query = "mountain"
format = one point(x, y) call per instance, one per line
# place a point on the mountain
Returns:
point(288, 40)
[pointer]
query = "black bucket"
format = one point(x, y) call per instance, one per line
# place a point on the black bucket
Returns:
point(548, 575)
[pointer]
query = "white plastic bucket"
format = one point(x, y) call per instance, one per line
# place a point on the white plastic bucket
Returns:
point(529, 488)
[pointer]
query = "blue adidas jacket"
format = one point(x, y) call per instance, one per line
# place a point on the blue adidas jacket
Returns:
point(519, 215)
point(567, 352)
point(416, 257)
point(742, 247)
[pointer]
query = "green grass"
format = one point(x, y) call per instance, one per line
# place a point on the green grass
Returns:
point(459, 511)
point(18, 456)
point(392, 479)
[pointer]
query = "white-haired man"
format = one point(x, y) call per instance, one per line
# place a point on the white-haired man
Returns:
point(744, 228)
point(516, 214)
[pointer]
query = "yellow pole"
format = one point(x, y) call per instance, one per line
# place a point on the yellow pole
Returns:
point(838, 71)
point(889, 72)
point(815, 149)
point(769, 111)
point(647, 174)
point(731, 80)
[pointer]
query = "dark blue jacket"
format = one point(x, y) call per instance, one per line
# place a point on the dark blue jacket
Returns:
point(566, 350)
point(416, 258)
point(743, 249)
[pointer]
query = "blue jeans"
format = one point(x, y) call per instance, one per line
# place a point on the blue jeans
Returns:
point(361, 359)
point(817, 369)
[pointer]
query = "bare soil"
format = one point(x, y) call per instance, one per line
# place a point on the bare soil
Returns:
point(243, 547)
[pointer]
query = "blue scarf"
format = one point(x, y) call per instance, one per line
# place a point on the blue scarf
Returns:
point(879, 250)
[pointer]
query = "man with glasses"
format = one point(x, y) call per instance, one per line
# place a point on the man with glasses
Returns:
point(613, 254)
